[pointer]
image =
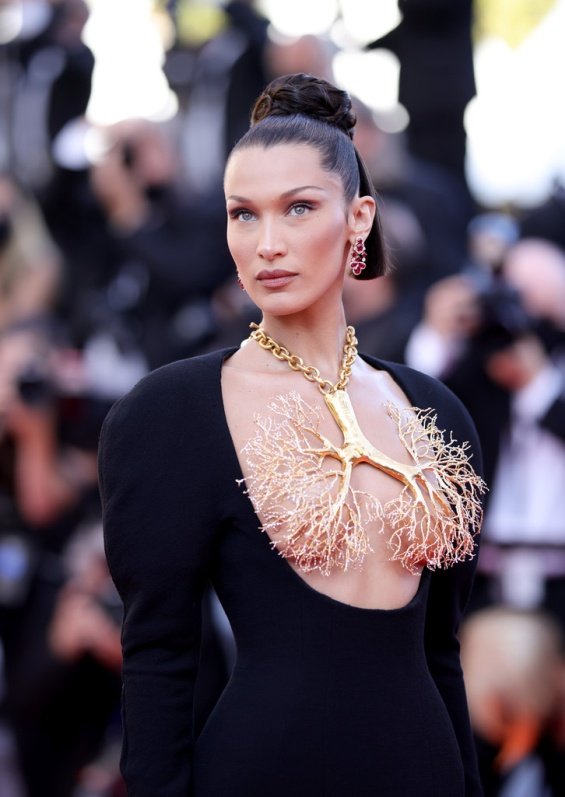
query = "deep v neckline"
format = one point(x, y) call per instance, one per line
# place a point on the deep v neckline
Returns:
point(290, 571)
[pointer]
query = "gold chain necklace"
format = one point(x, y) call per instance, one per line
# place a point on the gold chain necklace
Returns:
point(309, 371)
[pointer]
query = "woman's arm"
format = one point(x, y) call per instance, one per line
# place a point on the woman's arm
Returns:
point(158, 534)
point(450, 590)
point(448, 596)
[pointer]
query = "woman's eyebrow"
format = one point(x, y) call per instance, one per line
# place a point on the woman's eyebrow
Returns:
point(300, 188)
point(284, 195)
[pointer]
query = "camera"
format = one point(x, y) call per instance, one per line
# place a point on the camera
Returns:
point(79, 416)
point(34, 387)
point(503, 318)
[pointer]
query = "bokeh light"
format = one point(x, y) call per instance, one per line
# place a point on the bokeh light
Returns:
point(297, 17)
point(128, 79)
point(357, 72)
point(366, 22)
point(515, 126)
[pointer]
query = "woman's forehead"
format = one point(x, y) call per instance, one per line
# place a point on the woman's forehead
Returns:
point(280, 167)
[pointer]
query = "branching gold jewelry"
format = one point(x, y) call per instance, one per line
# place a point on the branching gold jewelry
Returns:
point(321, 517)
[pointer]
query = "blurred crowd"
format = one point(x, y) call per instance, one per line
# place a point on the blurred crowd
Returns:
point(113, 262)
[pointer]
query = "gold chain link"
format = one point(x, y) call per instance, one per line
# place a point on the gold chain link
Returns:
point(309, 371)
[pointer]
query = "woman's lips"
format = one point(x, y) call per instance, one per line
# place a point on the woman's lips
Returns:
point(277, 278)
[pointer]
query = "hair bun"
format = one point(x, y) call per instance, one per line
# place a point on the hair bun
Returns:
point(307, 95)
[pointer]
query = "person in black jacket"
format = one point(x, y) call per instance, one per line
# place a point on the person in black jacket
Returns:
point(335, 520)
point(503, 351)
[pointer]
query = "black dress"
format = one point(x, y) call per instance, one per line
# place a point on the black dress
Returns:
point(326, 699)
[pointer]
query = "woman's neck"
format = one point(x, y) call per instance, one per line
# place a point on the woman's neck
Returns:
point(318, 341)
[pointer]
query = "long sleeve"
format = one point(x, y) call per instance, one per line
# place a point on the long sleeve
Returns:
point(450, 589)
point(159, 522)
point(449, 593)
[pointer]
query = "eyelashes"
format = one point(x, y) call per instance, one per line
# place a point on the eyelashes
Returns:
point(239, 213)
point(296, 210)
point(303, 206)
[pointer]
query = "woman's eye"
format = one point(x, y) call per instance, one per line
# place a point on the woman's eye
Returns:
point(242, 215)
point(300, 209)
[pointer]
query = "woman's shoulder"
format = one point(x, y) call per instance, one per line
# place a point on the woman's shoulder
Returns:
point(181, 389)
point(427, 392)
point(192, 374)
point(418, 386)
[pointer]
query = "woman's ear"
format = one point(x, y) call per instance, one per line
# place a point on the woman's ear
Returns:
point(361, 216)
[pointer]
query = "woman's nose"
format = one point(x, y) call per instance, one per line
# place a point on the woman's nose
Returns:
point(271, 242)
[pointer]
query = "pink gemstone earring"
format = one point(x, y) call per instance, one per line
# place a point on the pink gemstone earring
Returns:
point(240, 283)
point(358, 257)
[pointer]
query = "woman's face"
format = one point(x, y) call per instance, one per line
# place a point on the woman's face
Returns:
point(289, 227)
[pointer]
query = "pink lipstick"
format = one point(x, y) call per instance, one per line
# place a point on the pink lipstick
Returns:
point(275, 278)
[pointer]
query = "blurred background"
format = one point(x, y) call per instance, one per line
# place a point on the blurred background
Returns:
point(116, 118)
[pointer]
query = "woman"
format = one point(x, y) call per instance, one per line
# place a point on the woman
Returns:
point(347, 680)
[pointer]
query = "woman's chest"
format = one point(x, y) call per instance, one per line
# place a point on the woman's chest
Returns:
point(338, 480)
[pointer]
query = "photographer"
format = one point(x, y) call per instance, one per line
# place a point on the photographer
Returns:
point(64, 693)
point(40, 480)
point(496, 339)
point(170, 251)
point(29, 263)
point(61, 652)
point(49, 422)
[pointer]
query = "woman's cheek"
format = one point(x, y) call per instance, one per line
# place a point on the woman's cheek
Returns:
point(237, 248)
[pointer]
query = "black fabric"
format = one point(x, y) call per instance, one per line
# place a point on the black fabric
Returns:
point(325, 699)
point(488, 405)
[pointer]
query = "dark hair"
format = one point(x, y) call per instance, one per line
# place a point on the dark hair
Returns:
point(304, 109)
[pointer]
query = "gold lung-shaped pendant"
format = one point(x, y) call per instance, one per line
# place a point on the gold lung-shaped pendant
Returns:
point(316, 519)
